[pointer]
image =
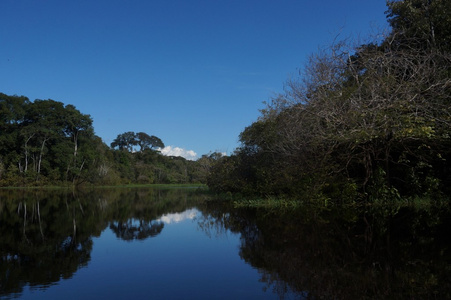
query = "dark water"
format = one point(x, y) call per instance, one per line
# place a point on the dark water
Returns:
point(179, 244)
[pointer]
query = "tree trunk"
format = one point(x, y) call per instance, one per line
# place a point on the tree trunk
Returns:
point(26, 152)
point(40, 155)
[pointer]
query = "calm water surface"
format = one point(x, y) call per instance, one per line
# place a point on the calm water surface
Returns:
point(179, 244)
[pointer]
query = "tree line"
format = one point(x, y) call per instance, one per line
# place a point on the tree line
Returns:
point(370, 120)
point(45, 142)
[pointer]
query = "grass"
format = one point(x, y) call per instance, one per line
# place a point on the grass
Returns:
point(160, 186)
point(40, 187)
point(322, 201)
point(268, 203)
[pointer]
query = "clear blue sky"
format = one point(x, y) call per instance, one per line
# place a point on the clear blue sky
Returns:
point(193, 73)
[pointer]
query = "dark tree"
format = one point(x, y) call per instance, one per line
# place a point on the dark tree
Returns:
point(423, 24)
point(376, 117)
point(125, 141)
point(146, 141)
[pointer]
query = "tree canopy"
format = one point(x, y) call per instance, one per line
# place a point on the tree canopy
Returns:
point(371, 119)
point(129, 139)
point(43, 138)
point(46, 142)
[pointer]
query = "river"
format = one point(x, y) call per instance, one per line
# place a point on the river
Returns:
point(180, 243)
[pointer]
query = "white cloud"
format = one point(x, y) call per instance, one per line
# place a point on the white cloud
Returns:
point(179, 217)
point(177, 151)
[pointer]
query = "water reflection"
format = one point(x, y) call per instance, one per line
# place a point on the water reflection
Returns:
point(47, 236)
point(36, 251)
point(345, 253)
point(189, 214)
point(335, 253)
point(133, 229)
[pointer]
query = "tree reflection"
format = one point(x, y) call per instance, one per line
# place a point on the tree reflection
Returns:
point(384, 251)
point(344, 253)
point(34, 250)
point(46, 236)
point(136, 229)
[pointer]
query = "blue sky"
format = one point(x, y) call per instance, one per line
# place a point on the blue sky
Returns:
point(193, 73)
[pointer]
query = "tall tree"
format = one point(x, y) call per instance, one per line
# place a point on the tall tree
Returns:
point(377, 113)
point(77, 124)
point(12, 110)
point(125, 141)
point(424, 24)
point(146, 141)
point(45, 118)
point(12, 114)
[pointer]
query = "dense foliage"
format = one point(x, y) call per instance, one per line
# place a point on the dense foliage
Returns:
point(45, 142)
point(370, 120)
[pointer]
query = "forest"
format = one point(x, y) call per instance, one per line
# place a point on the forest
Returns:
point(45, 142)
point(364, 120)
